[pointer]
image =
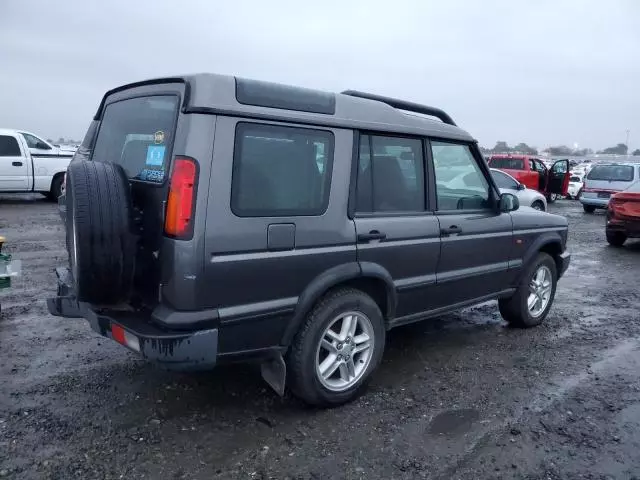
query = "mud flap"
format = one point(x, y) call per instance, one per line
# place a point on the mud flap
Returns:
point(274, 372)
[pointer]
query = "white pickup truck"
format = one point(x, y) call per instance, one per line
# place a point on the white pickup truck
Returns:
point(30, 164)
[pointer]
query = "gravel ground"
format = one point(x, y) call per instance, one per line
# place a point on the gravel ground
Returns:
point(462, 396)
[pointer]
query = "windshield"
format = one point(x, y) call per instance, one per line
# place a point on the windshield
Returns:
point(611, 173)
point(507, 163)
point(137, 133)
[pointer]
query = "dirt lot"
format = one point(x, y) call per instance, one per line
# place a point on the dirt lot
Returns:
point(459, 397)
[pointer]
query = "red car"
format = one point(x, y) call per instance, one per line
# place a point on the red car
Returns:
point(623, 216)
point(530, 171)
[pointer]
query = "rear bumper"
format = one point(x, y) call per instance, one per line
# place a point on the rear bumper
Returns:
point(630, 228)
point(175, 350)
point(563, 261)
point(594, 201)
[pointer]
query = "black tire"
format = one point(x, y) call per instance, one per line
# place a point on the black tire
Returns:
point(616, 239)
point(538, 205)
point(56, 187)
point(588, 208)
point(301, 359)
point(552, 197)
point(515, 310)
point(99, 221)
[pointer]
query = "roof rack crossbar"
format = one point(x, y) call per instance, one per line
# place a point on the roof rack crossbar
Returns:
point(403, 105)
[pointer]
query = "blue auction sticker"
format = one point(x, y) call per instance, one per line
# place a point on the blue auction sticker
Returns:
point(155, 155)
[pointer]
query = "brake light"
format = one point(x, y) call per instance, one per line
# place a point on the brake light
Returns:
point(125, 338)
point(178, 220)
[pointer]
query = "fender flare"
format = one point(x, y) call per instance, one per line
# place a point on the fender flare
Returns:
point(548, 238)
point(329, 279)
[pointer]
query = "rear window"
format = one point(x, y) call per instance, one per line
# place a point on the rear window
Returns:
point(137, 133)
point(507, 163)
point(612, 173)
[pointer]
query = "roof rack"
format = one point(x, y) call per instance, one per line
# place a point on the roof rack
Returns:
point(403, 105)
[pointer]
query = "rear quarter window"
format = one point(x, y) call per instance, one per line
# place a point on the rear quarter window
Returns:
point(137, 133)
point(612, 173)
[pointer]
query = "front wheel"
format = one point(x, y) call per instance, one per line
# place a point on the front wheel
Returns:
point(538, 205)
point(337, 349)
point(530, 304)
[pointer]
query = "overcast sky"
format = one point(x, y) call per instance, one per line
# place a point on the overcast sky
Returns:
point(544, 72)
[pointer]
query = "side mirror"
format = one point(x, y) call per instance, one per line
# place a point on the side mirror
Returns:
point(521, 186)
point(508, 202)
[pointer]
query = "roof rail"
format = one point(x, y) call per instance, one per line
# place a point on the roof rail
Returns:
point(403, 105)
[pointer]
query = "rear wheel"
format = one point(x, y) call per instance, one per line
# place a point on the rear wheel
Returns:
point(337, 349)
point(530, 304)
point(56, 187)
point(589, 208)
point(552, 197)
point(616, 239)
point(538, 205)
point(99, 239)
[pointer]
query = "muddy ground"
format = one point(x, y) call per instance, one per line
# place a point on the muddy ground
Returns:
point(458, 397)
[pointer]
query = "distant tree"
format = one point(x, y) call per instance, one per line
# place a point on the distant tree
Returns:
point(61, 140)
point(49, 140)
point(583, 152)
point(526, 149)
point(559, 151)
point(636, 152)
point(484, 150)
point(620, 149)
point(501, 147)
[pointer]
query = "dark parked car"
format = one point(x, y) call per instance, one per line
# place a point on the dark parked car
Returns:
point(213, 219)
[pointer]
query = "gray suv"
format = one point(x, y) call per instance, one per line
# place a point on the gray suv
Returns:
point(213, 219)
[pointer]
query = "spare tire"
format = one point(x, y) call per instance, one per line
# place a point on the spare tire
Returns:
point(99, 235)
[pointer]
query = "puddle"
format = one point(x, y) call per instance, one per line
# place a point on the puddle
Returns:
point(453, 422)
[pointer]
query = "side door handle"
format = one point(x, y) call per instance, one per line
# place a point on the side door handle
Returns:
point(452, 230)
point(372, 235)
point(16, 164)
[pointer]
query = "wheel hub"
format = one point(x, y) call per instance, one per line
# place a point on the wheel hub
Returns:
point(540, 288)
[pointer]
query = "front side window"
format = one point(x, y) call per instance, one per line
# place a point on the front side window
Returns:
point(503, 180)
point(35, 142)
point(281, 171)
point(390, 175)
point(137, 133)
point(9, 146)
point(460, 183)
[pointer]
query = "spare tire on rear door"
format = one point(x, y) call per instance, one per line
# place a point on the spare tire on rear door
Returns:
point(99, 236)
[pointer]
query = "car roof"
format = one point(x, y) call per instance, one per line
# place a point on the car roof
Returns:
point(229, 95)
point(13, 131)
point(514, 155)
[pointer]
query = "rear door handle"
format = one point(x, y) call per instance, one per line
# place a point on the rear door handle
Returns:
point(372, 235)
point(16, 164)
point(452, 230)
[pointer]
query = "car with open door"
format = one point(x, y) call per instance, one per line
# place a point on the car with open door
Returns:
point(552, 181)
point(623, 216)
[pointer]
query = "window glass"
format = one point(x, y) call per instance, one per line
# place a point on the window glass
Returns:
point(9, 147)
point(503, 180)
point(33, 142)
point(460, 183)
point(508, 163)
point(612, 173)
point(280, 171)
point(137, 133)
point(390, 175)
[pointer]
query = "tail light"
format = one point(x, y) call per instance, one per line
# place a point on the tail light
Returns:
point(179, 217)
point(125, 338)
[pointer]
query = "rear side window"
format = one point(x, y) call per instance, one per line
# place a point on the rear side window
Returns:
point(281, 171)
point(137, 133)
point(612, 173)
point(390, 175)
point(9, 146)
point(507, 163)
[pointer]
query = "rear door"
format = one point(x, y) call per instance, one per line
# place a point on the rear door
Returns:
point(558, 178)
point(476, 239)
point(395, 231)
point(14, 169)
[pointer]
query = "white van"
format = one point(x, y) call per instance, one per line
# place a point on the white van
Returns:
point(605, 180)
